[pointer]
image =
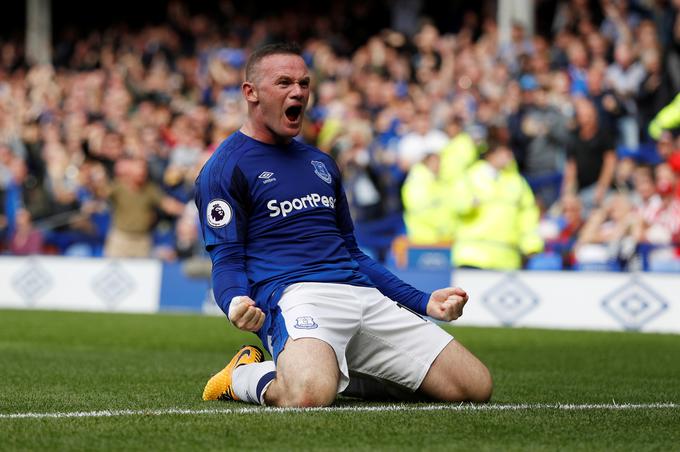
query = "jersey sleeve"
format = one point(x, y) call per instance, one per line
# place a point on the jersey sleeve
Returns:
point(384, 280)
point(222, 202)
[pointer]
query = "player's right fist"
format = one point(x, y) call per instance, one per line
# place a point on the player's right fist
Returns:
point(244, 315)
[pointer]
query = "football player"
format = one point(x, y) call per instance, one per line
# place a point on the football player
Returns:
point(286, 266)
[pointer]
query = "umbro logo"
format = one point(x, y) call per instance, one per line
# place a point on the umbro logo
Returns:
point(266, 177)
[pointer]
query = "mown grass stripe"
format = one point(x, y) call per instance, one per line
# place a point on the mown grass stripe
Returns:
point(333, 409)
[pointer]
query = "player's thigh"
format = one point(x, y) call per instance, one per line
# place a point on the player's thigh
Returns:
point(457, 375)
point(307, 368)
point(395, 344)
point(326, 312)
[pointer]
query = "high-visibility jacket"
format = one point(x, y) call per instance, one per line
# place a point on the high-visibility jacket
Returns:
point(428, 220)
point(667, 119)
point(497, 218)
point(456, 157)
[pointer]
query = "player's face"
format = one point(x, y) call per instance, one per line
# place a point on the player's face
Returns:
point(282, 94)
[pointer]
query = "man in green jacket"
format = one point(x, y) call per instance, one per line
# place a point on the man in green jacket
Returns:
point(497, 214)
point(426, 213)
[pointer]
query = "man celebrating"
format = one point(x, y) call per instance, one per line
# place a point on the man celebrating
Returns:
point(286, 265)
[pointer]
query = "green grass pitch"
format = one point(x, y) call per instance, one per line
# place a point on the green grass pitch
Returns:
point(58, 362)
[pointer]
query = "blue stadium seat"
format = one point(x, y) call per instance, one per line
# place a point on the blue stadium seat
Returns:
point(545, 261)
point(429, 258)
point(666, 266)
point(610, 266)
point(79, 249)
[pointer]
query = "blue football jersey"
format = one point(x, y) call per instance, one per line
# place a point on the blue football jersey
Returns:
point(274, 215)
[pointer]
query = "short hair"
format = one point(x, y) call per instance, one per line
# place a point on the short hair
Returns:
point(497, 137)
point(278, 48)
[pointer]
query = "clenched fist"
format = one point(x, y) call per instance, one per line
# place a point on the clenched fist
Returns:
point(447, 304)
point(245, 315)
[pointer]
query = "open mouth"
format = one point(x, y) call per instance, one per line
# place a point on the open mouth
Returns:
point(293, 113)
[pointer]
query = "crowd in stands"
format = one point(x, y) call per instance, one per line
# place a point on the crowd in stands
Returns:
point(541, 151)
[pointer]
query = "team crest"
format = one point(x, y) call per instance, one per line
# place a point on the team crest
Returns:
point(321, 171)
point(305, 323)
point(218, 213)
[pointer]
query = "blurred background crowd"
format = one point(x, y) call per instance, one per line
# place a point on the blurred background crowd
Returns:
point(552, 149)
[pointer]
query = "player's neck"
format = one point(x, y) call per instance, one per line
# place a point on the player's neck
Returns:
point(263, 134)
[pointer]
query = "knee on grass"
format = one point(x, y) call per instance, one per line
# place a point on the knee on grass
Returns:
point(476, 388)
point(309, 392)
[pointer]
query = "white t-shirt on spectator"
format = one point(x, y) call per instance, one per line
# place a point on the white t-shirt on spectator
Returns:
point(414, 146)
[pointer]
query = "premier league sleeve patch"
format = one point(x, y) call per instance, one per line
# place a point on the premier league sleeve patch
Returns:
point(218, 213)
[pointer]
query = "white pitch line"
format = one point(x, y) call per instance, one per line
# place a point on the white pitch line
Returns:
point(355, 408)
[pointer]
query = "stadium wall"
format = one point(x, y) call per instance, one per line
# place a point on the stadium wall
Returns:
point(647, 302)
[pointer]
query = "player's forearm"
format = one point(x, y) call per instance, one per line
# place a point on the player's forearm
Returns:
point(228, 274)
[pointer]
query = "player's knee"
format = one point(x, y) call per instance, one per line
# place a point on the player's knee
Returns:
point(481, 388)
point(312, 391)
point(476, 386)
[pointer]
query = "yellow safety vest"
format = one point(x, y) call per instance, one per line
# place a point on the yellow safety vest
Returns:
point(456, 157)
point(428, 220)
point(497, 218)
point(667, 119)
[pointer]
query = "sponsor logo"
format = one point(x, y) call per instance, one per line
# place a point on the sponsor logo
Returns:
point(510, 300)
point(218, 213)
point(113, 284)
point(32, 281)
point(305, 323)
point(321, 171)
point(634, 304)
point(266, 177)
point(244, 353)
point(309, 201)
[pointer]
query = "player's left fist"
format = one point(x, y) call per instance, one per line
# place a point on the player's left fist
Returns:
point(447, 303)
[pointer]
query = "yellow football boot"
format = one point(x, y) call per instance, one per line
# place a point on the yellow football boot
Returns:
point(219, 386)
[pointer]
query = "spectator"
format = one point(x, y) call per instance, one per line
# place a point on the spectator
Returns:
point(134, 200)
point(607, 240)
point(497, 214)
point(653, 93)
point(590, 158)
point(360, 178)
point(646, 200)
point(619, 21)
point(519, 46)
point(562, 227)
point(428, 220)
point(578, 67)
point(660, 225)
point(624, 76)
point(458, 154)
point(421, 140)
point(25, 239)
point(607, 104)
point(540, 131)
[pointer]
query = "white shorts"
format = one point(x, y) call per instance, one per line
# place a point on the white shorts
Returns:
point(370, 334)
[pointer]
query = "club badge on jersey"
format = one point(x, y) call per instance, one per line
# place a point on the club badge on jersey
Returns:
point(321, 171)
point(218, 213)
